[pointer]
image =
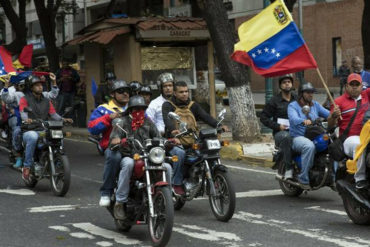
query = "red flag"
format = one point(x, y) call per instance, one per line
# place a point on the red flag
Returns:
point(25, 58)
point(7, 59)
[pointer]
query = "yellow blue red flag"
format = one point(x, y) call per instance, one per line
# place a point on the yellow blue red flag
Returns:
point(271, 43)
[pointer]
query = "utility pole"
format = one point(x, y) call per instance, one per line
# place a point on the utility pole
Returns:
point(85, 12)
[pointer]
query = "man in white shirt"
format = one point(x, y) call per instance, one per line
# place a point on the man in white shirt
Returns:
point(154, 111)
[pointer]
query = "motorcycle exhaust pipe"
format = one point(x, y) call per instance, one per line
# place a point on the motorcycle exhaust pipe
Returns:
point(7, 150)
point(93, 140)
point(280, 178)
point(349, 190)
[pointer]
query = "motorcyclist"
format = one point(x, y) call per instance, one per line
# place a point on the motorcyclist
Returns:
point(154, 111)
point(101, 123)
point(141, 128)
point(180, 101)
point(146, 93)
point(275, 116)
point(102, 94)
point(11, 96)
point(135, 87)
point(347, 103)
point(42, 108)
point(299, 120)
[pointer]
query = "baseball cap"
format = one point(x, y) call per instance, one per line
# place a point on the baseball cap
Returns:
point(354, 77)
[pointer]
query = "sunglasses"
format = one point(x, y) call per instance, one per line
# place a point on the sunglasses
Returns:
point(354, 84)
point(122, 91)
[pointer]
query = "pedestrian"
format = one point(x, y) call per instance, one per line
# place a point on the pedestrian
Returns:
point(357, 67)
point(343, 73)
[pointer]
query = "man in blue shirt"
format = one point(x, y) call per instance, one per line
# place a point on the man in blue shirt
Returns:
point(357, 68)
point(299, 120)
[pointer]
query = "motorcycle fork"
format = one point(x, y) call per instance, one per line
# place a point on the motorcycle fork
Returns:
point(149, 191)
point(212, 190)
point(51, 159)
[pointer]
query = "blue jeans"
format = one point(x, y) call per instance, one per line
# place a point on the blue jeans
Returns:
point(64, 100)
point(111, 170)
point(284, 142)
point(30, 141)
point(123, 188)
point(178, 167)
point(17, 138)
point(307, 149)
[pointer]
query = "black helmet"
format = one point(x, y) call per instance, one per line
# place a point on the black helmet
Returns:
point(135, 87)
point(110, 76)
point(306, 87)
point(117, 84)
point(136, 101)
point(145, 89)
point(286, 76)
point(33, 79)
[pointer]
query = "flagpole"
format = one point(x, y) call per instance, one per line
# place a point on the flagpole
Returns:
point(325, 86)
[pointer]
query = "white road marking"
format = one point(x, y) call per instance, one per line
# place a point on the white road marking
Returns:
point(332, 211)
point(104, 243)
point(87, 179)
point(45, 209)
point(82, 235)
point(207, 234)
point(252, 193)
point(20, 192)
point(317, 234)
point(250, 169)
point(60, 228)
point(98, 231)
point(76, 140)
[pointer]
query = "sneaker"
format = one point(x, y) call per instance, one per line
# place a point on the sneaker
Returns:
point(288, 174)
point(26, 173)
point(178, 190)
point(18, 162)
point(104, 201)
point(4, 135)
point(362, 184)
point(119, 211)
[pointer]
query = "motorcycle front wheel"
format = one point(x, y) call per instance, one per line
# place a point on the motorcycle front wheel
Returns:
point(61, 180)
point(223, 203)
point(160, 226)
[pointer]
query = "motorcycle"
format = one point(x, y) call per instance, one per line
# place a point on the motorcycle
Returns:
point(95, 139)
point(205, 172)
point(150, 200)
point(356, 201)
point(50, 160)
point(320, 174)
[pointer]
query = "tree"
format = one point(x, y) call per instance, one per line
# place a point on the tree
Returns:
point(365, 30)
point(236, 76)
point(18, 23)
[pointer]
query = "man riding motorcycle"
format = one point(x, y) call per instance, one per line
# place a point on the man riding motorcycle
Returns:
point(347, 103)
point(42, 108)
point(191, 112)
point(275, 116)
point(146, 93)
point(299, 121)
point(136, 124)
point(102, 93)
point(101, 123)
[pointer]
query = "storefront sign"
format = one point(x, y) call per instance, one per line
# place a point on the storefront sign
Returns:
point(170, 34)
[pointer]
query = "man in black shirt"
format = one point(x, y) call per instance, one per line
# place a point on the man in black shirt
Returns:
point(275, 116)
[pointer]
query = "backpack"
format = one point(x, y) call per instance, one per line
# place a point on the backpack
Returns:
point(186, 116)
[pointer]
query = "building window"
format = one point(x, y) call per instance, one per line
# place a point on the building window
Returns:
point(337, 54)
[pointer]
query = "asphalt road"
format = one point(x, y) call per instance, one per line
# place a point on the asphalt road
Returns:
point(263, 216)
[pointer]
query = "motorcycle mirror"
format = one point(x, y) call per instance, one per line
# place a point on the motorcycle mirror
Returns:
point(306, 109)
point(174, 116)
point(222, 114)
point(27, 109)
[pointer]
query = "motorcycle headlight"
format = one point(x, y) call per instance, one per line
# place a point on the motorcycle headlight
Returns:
point(56, 134)
point(213, 144)
point(157, 155)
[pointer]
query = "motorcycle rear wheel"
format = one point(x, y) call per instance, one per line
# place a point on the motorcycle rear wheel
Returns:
point(160, 226)
point(122, 226)
point(355, 212)
point(288, 189)
point(178, 203)
point(60, 181)
point(225, 195)
point(31, 182)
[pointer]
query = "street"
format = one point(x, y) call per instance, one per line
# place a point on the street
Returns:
point(263, 216)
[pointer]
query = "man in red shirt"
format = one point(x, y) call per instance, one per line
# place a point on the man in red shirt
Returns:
point(347, 104)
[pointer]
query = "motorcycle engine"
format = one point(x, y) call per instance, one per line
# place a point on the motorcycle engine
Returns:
point(192, 183)
point(317, 172)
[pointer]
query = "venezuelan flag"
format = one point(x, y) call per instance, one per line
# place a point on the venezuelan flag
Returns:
point(271, 43)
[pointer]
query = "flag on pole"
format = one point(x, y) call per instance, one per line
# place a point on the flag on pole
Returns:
point(6, 59)
point(271, 43)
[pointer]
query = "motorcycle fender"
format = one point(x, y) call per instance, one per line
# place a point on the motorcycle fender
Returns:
point(160, 184)
point(219, 167)
point(348, 190)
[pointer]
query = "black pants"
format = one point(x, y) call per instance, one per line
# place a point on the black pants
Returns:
point(284, 141)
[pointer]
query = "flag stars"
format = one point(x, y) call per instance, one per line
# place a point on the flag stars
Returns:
point(266, 49)
point(253, 55)
point(277, 55)
point(273, 50)
point(259, 51)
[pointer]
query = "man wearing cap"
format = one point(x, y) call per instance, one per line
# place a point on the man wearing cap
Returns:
point(357, 67)
point(102, 93)
point(299, 120)
point(275, 117)
point(354, 97)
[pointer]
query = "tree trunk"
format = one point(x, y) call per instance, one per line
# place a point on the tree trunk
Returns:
point(365, 30)
point(46, 17)
point(18, 24)
point(236, 77)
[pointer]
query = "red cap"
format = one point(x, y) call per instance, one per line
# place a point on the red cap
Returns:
point(354, 77)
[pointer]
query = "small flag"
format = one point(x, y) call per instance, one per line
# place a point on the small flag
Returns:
point(94, 87)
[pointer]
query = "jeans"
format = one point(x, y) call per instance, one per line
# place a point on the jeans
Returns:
point(16, 138)
point(127, 166)
point(307, 149)
point(111, 170)
point(64, 100)
point(178, 167)
point(350, 145)
point(284, 141)
point(30, 141)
